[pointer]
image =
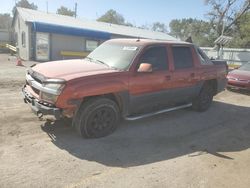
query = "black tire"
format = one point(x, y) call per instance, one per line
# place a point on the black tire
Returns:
point(97, 117)
point(204, 99)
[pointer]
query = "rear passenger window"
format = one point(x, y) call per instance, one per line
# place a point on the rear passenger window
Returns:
point(203, 57)
point(156, 56)
point(182, 57)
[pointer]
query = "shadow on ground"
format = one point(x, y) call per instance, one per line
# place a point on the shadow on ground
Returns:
point(223, 128)
point(240, 91)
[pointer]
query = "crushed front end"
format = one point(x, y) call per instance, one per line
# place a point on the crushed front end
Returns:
point(41, 94)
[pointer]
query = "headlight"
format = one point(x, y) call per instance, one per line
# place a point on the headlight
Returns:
point(51, 89)
point(54, 86)
point(48, 97)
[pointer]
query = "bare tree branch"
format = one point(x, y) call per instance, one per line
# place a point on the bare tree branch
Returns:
point(224, 13)
point(244, 9)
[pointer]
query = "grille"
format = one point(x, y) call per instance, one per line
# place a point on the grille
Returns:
point(237, 79)
point(37, 77)
point(35, 90)
point(241, 80)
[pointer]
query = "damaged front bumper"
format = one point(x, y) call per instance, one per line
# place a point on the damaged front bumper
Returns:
point(38, 108)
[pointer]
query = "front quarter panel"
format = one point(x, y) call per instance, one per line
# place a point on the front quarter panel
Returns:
point(78, 89)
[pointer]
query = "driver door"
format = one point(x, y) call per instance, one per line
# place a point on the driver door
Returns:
point(147, 88)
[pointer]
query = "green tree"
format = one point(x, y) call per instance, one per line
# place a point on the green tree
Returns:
point(5, 21)
point(201, 31)
point(241, 33)
point(111, 16)
point(160, 27)
point(24, 4)
point(65, 11)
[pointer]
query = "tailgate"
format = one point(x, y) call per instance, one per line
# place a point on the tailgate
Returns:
point(221, 63)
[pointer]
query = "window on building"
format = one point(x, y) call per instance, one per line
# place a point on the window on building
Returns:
point(91, 45)
point(156, 56)
point(182, 57)
point(23, 39)
point(42, 46)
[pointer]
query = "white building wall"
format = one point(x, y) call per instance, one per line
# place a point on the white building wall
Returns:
point(22, 27)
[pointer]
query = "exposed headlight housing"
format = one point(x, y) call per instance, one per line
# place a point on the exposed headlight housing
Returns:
point(51, 89)
point(49, 97)
point(57, 87)
point(53, 86)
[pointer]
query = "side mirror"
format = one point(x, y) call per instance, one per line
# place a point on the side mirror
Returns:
point(145, 67)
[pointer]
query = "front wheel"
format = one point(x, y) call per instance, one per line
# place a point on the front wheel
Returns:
point(97, 118)
point(204, 99)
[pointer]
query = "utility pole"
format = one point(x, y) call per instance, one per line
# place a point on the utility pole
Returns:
point(47, 7)
point(75, 10)
point(220, 52)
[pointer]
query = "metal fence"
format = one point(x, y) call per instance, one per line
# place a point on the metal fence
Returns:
point(233, 56)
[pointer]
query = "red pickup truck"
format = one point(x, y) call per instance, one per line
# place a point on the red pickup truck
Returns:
point(124, 78)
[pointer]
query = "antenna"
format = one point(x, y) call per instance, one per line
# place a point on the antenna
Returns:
point(47, 6)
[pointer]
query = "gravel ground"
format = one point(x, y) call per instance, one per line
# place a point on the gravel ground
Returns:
point(178, 149)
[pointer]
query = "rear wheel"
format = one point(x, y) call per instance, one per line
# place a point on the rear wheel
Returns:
point(97, 118)
point(204, 99)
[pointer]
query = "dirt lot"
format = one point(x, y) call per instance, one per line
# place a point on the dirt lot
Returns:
point(178, 149)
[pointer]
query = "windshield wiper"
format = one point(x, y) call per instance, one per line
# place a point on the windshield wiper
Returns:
point(96, 60)
point(99, 61)
point(102, 62)
point(89, 58)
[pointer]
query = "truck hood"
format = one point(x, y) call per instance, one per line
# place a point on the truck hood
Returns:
point(70, 69)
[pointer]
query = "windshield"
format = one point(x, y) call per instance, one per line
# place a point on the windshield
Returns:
point(245, 67)
point(114, 55)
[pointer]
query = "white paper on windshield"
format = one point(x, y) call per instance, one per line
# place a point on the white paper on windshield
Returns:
point(130, 48)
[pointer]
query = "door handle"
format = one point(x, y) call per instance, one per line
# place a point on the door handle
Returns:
point(168, 77)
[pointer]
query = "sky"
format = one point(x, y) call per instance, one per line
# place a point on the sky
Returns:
point(140, 12)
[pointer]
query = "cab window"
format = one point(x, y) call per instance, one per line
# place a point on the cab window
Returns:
point(203, 57)
point(156, 56)
point(182, 57)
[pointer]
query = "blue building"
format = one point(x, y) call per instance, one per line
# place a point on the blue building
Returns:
point(45, 36)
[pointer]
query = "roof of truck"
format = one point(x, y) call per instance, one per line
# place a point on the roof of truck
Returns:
point(142, 42)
